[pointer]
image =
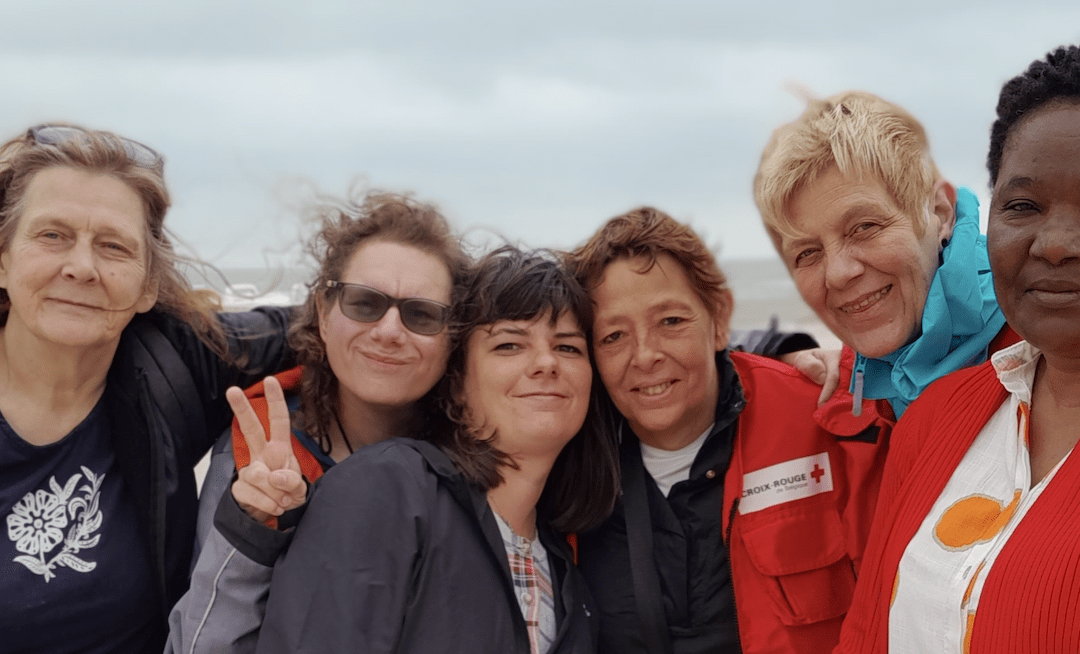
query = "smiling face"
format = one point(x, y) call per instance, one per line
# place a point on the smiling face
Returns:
point(859, 261)
point(655, 345)
point(1034, 231)
point(528, 382)
point(382, 364)
point(75, 267)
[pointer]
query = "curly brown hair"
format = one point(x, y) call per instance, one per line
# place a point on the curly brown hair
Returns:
point(105, 153)
point(345, 226)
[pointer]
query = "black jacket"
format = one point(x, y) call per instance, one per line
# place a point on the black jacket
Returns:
point(689, 553)
point(398, 553)
point(165, 399)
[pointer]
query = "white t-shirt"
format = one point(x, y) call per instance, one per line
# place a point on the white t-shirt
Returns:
point(669, 467)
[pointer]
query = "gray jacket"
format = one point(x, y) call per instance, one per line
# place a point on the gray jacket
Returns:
point(223, 609)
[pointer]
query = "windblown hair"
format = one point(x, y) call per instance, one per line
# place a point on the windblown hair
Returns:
point(345, 226)
point(647, 233)
point(1054, 79)
point(863, 136)
point(104, 153)
point(511, 284)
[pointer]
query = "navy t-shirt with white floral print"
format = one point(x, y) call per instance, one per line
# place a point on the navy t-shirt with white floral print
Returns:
point(74, 575)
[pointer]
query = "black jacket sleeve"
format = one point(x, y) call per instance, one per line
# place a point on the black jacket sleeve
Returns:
point(770, 342)
point(253, 539)
point(257, 341)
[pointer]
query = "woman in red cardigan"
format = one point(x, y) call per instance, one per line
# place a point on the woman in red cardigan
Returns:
point(976, 543)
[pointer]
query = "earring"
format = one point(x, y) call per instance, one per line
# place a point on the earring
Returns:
point(944, 243)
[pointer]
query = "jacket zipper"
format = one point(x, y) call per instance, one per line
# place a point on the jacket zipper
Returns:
point(857, 385)
point(731, 572)
point(157, 527)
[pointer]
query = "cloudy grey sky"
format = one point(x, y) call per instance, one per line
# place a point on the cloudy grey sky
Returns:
point(539, 120)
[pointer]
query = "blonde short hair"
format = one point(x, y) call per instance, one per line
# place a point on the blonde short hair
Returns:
point(861, 135)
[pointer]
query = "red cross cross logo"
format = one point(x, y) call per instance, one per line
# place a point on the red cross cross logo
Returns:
point(817, 473)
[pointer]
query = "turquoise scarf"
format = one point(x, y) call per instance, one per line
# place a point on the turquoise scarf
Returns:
point(960, 319)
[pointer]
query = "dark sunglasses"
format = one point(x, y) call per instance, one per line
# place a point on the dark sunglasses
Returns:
point(140, 155)
point(365, 304)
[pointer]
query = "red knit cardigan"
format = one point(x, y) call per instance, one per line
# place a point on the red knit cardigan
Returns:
point(1030, 601)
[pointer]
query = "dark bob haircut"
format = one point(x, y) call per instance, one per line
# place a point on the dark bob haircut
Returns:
point(1056, 78)
point(511, 284)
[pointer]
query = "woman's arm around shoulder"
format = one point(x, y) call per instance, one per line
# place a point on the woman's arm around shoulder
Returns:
point(199, 376)
point(256, 340)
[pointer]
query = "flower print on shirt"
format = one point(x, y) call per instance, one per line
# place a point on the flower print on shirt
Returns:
point(37, 522)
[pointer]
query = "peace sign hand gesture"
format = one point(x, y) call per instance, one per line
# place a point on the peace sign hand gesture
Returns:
point(272, 483)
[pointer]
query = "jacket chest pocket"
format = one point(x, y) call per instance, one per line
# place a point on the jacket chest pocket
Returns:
point(802, 562)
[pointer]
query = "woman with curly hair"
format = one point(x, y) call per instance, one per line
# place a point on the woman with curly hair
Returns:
point(975, 546)
point(372, 342)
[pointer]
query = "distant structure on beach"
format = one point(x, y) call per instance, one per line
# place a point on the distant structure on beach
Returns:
point(243, 296)
point(241, 289)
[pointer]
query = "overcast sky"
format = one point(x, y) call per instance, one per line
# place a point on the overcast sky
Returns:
point(539, 120)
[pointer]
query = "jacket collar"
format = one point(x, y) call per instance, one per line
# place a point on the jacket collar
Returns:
point(474, 502)
point(960, 319)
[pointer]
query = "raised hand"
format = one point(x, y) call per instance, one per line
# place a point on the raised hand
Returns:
point(272, 483)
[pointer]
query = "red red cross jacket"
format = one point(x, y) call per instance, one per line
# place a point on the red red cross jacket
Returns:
point(799, 498)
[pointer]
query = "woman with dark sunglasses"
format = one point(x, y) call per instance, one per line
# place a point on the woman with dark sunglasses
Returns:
point(372, 341)
point(113, 373)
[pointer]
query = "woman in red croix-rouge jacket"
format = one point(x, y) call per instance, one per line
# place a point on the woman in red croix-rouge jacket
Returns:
point(748, 505)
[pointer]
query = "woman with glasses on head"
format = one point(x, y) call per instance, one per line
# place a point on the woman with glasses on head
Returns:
point(452, 541)
point(372, 341)
point(113, 373)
